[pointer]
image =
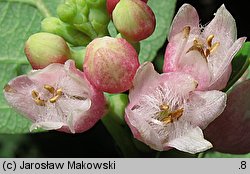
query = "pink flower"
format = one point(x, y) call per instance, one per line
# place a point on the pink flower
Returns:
point(57, 97)
point(205, 53)
point(166, 112)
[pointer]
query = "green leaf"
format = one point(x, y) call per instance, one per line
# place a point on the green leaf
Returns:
point(164, 11)
point(214, 154)
point(240, 64)
point(18, 20)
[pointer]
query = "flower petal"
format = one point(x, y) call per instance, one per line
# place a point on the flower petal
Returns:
point(47, 125)
point(220, 66)
point(186, 16)
point(143, 131)
point(174, 50)
point(145, 76)
point(223, 27)
point(204, 107)
point(17, 93)
point(47, 75)
point(178, 82)
point(189, 139)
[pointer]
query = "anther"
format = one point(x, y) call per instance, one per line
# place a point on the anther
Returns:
point(8, 88)
point(209, 40)
point(173, 116)
point(39, 102)
point(59, 92)
point(186, 31)
point(49, 88)
point(164, 107)
point(54, 99)
point(214, 46)
point(34, 94)
point(176, 114)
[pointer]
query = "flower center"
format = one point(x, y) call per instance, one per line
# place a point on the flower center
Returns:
point(168, 116)
point(56, 94)
point(204, 49)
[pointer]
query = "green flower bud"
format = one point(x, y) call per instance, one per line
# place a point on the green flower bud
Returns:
point(43, 49)
point(70, 34)
point(87, 16)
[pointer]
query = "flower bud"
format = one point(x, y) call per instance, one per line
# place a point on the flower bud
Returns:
point(88, 16)
point(43, 49)
point(69, 33)
point(110, 64)
point(112, 3)
point(134, 20)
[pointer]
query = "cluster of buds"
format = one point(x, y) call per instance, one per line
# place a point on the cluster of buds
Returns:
point(55, 94)
point(79, 22)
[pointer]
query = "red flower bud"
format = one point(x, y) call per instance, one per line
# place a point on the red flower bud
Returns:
point(134, 20)
point(112, 3)
point(110, 64)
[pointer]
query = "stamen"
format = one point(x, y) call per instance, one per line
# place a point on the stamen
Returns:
point(186, 31)
point(34, 94)
point(8, 88)
point(58, 95)
point(176, 114)
point(164, 107)
point(54, 99)
point(173, 116)
point(59, 91)
point(39, 102)
point(197, 48)
point(214, 46)
point(49, 88)
point(84, 98)
point(207, 53)
point(209, 40)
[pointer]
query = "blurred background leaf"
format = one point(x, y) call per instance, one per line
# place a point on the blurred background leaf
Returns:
point(18, 20)
point(240, 64)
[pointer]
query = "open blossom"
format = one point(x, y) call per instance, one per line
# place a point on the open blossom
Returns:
point(205, 53)
point(166, 112)
point(57, 97)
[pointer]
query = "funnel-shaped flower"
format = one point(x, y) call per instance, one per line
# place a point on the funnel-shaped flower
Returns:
point(56, 97)
point(43, 49)
point(166, 112)
point(205, 53)
point(110, 64)
point(134, 19)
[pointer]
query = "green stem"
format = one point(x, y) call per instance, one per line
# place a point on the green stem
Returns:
point(78, 56)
